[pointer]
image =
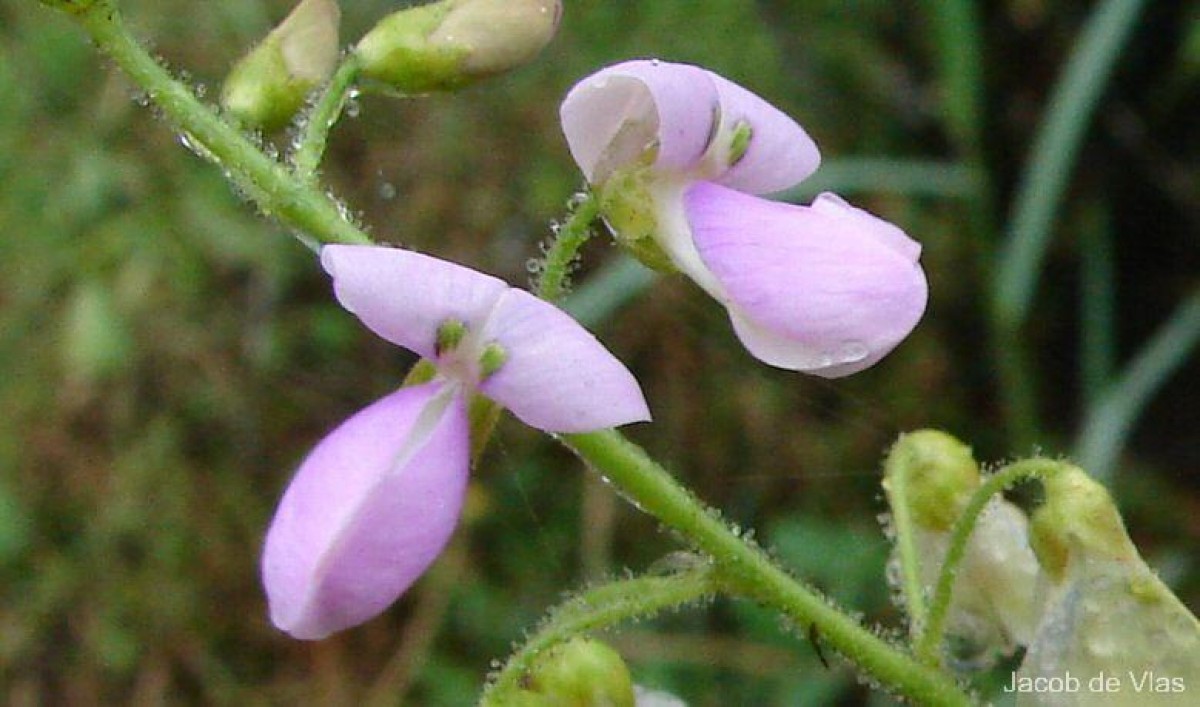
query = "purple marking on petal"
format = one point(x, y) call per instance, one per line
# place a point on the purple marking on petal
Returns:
point(611, 117)
point(367, 512)
point(827, 293)
point(557, 377)
point(780, 153)
point(404, 296)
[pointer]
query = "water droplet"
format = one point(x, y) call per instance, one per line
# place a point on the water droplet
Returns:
point(195, 146)
point(387, 191)
point(352, 108)
point(533, 266)
point(848, 352)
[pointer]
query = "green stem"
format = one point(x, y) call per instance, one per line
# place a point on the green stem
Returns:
point(895, 485)
point(928, 643)
point(596, 608)
point(276, 191)
point(571, 235)
point(751, 572)
point(314, 136)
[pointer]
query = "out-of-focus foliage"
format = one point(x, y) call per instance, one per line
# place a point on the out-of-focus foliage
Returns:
point(167, 356)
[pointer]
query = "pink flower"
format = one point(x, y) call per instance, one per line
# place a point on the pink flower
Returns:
point(378, 499)
point(678, 156)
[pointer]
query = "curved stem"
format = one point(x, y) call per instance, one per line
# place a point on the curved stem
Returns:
point(314, 134)
point(569, 238)
point(895, 485)
point(267, 182)
point(749, 571)
point(927, 643)
point(597, 608)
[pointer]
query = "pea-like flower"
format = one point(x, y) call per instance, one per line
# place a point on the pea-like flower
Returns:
point(378, 499)
point(678, 157)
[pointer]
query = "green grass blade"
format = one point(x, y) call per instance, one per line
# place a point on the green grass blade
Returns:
point(1054, 151)
point(1110, 421)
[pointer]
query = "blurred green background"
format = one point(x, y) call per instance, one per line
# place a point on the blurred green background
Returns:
point(167, 357)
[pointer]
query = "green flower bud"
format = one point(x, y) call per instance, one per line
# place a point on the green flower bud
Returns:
point(940, 474)
point(449, 44)
point(268, 86)
point(1077, 523)
point(581, 672)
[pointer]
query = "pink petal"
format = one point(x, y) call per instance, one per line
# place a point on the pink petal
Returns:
point(368, 511)
point(780, 153)
point(404, 296)
point(828, 290)
point(557, 377)
point(611, 117)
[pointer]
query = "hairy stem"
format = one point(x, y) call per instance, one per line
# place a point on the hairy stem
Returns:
point(750, 572)
point(268, 183)
point(597, 608)
point(314, 134)
point(570, 237)
point(928, 643)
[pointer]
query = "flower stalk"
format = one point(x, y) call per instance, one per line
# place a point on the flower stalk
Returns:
point(930, 639)
point(272, 187)
point(597, 608)
point(748, 571)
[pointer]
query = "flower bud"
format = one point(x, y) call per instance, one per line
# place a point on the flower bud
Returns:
point(1077, 523)
point(268, 86)
point(452, 43)
point(940, 475)
point(582, 671)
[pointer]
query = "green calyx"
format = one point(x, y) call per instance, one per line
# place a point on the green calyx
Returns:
point(628, 207)
point(581, 671)
point(268, 86)
point(939, 472)
point(1077, 521)
point(446, 45)
point(397, 52)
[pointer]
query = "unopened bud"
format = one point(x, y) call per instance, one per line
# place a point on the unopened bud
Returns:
point(452, 43)
point(940, 475)
point(1078, 522)
point(268, 86)
point(581, 671)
